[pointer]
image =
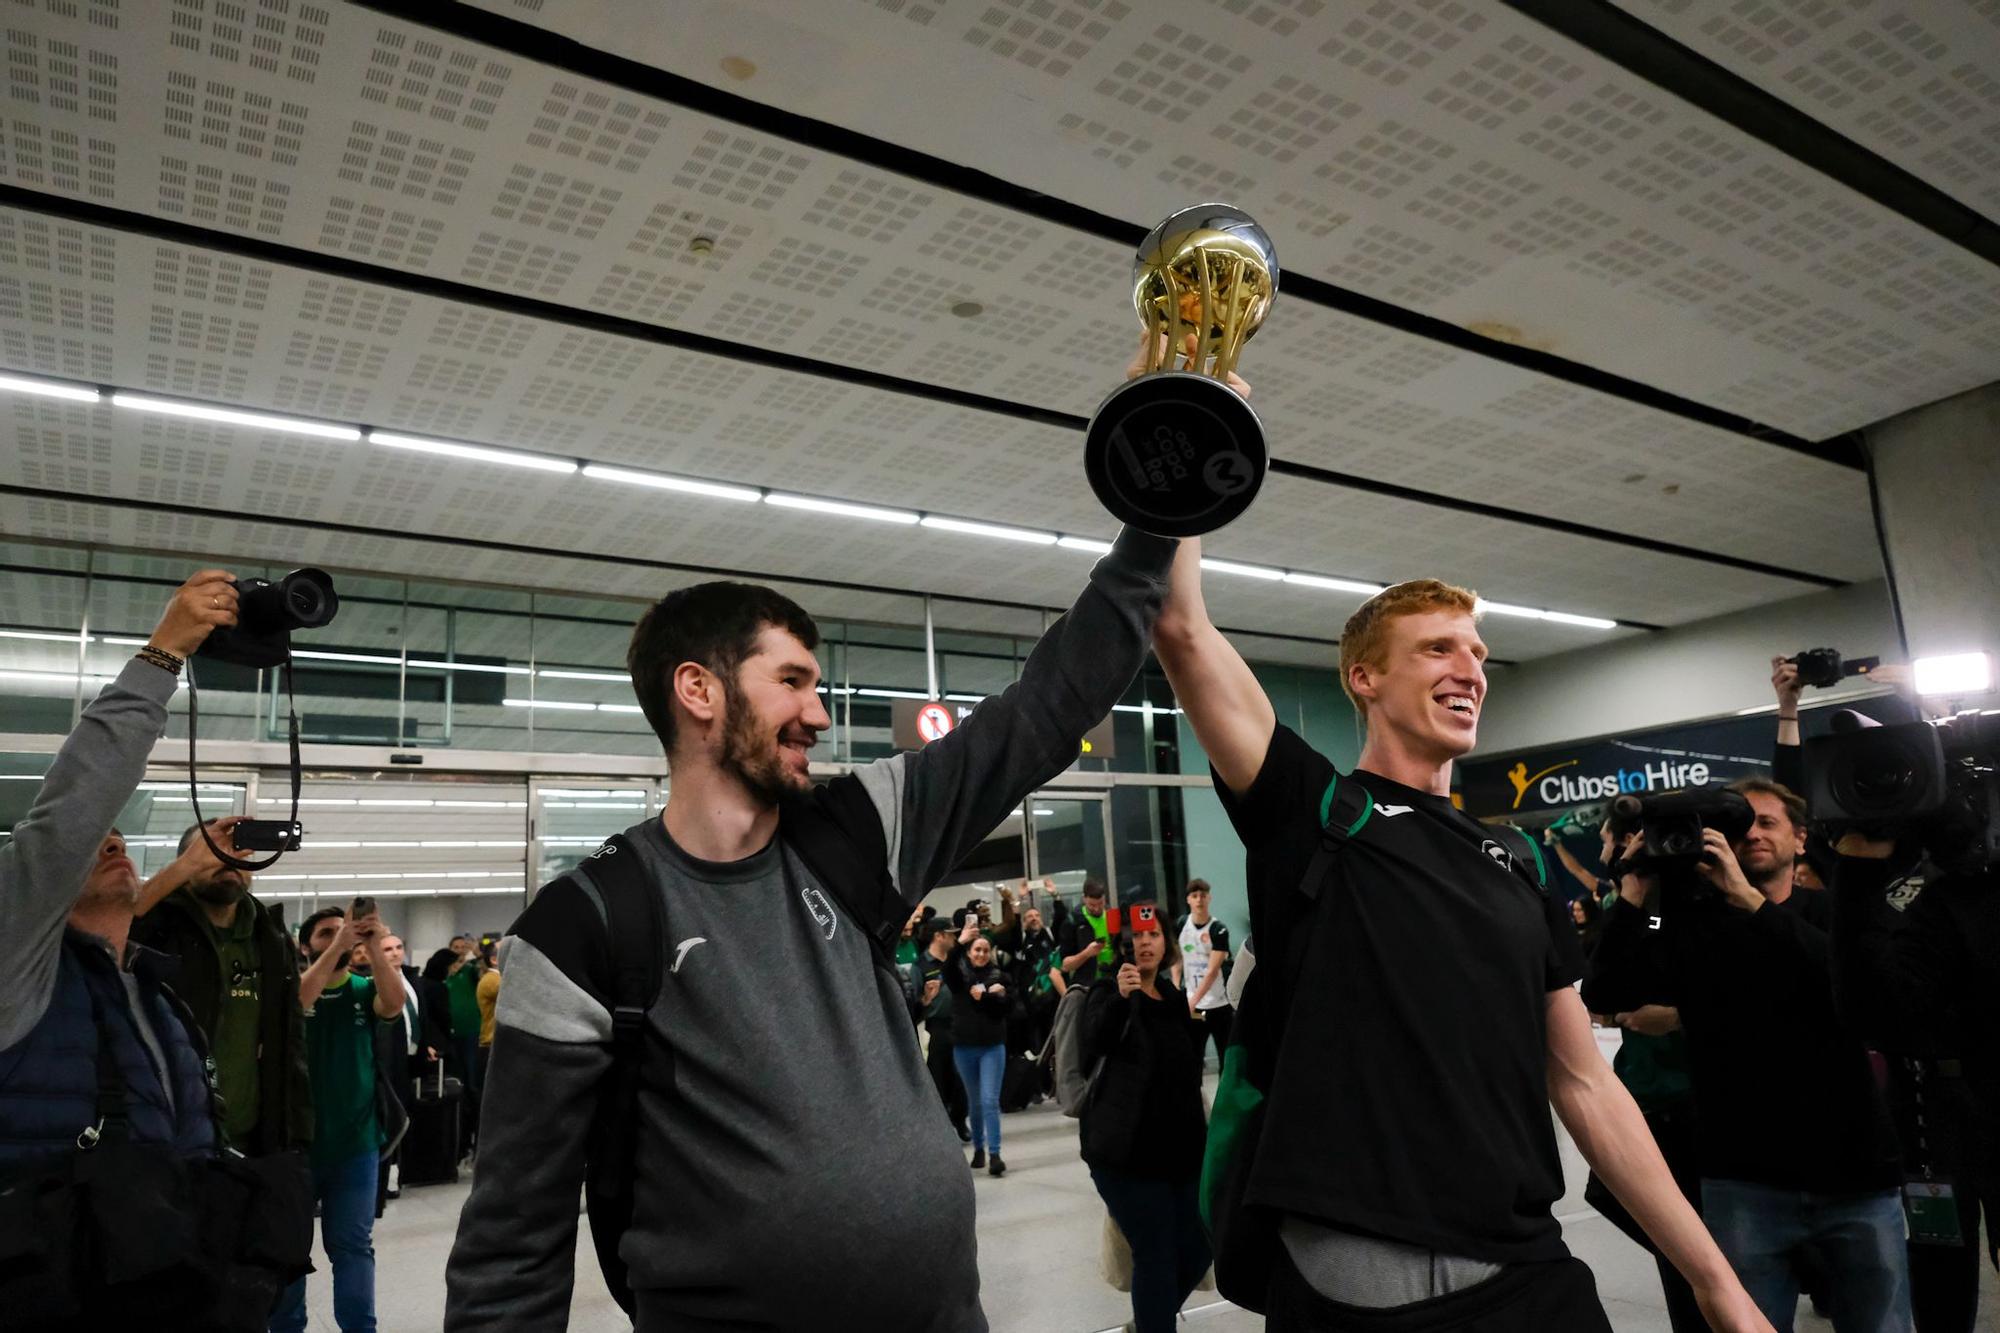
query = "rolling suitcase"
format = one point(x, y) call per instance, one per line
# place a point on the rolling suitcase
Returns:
point(430, 1147)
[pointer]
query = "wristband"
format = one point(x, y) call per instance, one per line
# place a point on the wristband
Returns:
point(1788, 717)
point(162, 659)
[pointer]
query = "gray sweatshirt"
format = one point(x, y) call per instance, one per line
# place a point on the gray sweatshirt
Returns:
point(794, 1168)
point(43, 866)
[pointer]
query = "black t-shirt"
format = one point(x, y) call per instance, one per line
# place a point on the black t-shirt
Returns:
point(1784, 1092)
point(1410, 1098)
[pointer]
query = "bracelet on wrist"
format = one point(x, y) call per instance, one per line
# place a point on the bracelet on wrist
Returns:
point(1788, 717)
point(162, 659)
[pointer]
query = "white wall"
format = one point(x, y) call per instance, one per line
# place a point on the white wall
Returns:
point(1711, 668)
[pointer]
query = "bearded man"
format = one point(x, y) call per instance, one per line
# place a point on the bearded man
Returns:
point(789, 1169)
point(239, 976)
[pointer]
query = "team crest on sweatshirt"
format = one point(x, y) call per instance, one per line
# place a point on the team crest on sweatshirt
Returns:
point(821, 909)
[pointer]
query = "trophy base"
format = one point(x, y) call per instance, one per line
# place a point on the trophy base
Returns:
point(1175, 453)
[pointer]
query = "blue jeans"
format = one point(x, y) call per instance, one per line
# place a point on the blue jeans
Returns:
point(1161, 1220)
point(1857, 1237)
point(980, 1069)
point(346, 1194)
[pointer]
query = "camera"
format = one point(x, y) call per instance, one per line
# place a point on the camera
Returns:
point(1935, 782)
point(1821, 667)
point(1672, 823)
point(266, 615)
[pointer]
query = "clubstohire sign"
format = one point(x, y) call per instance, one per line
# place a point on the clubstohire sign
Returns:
point(1594, 771)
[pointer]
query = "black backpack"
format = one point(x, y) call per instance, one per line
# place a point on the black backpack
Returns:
point(1245, 1237)
point(850, 857)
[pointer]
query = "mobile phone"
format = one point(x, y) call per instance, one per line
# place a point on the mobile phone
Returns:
point(362, 907)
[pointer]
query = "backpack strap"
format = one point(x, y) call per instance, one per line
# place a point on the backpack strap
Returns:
point(1343, 809)
point(1538, 877)
point(635, 935)
point(837, 833)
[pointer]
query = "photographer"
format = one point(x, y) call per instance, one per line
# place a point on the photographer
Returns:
point(239, 974)
point(1797, 1154)
point(1916, 968)
point(78, 1001)
point(1143, 1128)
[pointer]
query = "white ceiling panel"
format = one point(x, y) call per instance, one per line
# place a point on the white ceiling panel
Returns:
point(1453, 158)
point(1917, 81)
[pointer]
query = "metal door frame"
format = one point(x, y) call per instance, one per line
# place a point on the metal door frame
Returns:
point(1101, 798)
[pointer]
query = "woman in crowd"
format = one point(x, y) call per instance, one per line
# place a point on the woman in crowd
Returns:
point(1143, 1127)
point(979, 1039)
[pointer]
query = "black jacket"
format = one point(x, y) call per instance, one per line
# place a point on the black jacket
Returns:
point(393, 1060)
point(284, 1097)
point(1144, 1116)
point(980, 1022)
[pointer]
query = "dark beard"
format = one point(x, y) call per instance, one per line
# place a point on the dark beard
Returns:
point(749, 756)
point(217, 892)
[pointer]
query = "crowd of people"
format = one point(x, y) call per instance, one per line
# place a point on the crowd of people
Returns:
point(707, 1027)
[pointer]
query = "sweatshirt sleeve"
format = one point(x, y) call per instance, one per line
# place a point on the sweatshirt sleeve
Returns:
point(42, 867)
point(513, 1263)
point(1627, 971)
point(940, 802)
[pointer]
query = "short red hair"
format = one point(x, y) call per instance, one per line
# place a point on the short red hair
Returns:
point(1365, 637)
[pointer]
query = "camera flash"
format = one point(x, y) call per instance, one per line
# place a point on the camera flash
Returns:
point(1958, 674)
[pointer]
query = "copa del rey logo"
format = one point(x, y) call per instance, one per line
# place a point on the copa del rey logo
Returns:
point(1554, 786)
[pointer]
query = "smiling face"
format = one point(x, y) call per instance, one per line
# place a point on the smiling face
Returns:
point(979, 952)
point(1428, 682)
point(772, 716)
point(1768, 850)
point(1032, 919)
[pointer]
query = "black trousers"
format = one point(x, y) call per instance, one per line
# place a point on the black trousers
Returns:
point(1554, 1297)
point(944, 1074)
point(1211, 1023)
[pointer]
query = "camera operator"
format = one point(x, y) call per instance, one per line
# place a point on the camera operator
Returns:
point(101, 1069)
point(1797, 1153)
point(239, 974)
point(1922, 984)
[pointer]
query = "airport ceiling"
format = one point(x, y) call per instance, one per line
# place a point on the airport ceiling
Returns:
point(1582, 315)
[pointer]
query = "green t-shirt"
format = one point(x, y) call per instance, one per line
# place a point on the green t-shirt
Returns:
point(462, 987)
point(340, 1059)
point(1102, 929)
point(237, 1022)
point(906, 953)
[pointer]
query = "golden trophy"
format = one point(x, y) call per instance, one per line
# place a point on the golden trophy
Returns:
point(1176, 451)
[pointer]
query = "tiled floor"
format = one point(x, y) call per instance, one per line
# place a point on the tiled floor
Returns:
point(1038, 1242)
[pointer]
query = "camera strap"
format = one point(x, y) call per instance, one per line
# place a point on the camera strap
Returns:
point(194, 796)
point(1930, 1204)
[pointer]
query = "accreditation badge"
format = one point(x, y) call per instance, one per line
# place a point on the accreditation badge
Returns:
point(1931, 1209)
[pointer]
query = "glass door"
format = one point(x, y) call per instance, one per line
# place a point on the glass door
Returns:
point(572, 816)
point(1069, 840)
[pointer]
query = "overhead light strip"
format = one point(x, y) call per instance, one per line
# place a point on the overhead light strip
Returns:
point(41, 388)
point(713, 490)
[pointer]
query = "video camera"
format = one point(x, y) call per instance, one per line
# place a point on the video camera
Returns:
point(1671, 823)
point(1822, 667)
point(1933, 783)
point(266, 614)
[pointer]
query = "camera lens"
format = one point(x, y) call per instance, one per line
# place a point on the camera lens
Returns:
point(310, 600)
point(304, 601)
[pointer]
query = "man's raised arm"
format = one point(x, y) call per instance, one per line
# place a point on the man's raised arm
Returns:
point(1231, 715)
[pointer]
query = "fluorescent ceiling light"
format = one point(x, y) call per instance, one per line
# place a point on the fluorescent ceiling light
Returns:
point(1091, 544)
point(1958, 673)
point(591, 793)
point(42, 635)
point(376, 659)
point(51, 677)
point(74, 393)
point(840, 507)
point(662, 482)
point(550, 703)
point(620, 708)
point(965, 698)
point(618, 676)
point(1001, 531)
point(1508, 609)
point(476, 452)
point(891, 694)
point(172, 407)
point(470, 666)
point(1246, 571)
point(1587, 622)
point(125, 643)
point(1334, 585)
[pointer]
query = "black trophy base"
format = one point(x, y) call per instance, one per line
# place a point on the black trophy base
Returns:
point(1175, 453)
